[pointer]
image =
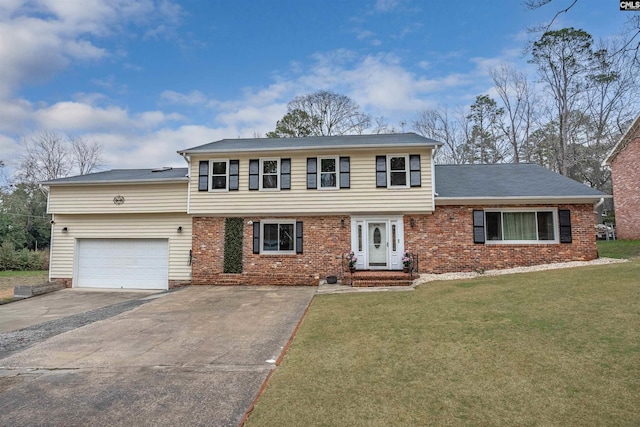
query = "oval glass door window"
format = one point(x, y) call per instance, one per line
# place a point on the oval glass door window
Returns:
point(376, 237)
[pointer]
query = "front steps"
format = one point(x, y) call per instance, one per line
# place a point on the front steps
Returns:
point(377, 278)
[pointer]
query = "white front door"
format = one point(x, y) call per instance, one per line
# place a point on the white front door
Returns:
point(377, 242)
point(378, 246)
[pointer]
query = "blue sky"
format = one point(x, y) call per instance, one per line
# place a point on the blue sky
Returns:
point(149, 77)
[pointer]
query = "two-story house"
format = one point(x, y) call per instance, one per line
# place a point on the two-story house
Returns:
point(285, 211)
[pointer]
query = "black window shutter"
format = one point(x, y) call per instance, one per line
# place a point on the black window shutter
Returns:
point(254, 174)
point(298, 237)
point(234, 175)
point(478, 226)
point(256, 237)
point(381, 171)
point(285, 174)
point(345, 172)
point(564, 216)
point(203, 175)
point(312, 170)
point(415, 178)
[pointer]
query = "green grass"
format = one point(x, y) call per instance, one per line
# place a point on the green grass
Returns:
point(619, 248)
point(10, 279)
point(38, 273)
point(558, 347)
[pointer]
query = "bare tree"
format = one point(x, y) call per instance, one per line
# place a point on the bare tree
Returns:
point(450, 128)
point(87, 156)
point(518, 100)
point(49, 155)
point(331, 113)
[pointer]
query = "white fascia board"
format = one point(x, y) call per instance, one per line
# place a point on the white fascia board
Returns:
point(442, 201)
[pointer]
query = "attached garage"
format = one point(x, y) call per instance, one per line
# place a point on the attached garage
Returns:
point(122, 263)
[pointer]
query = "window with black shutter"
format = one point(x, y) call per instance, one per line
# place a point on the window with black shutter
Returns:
point(203, 175)
point(312, 171)
point(234, 175)
point(381, 171)
point(285, 174)
point(564, 217)
point(478, 226)
point(345, 172)
point(414, 171)
point(254, 174)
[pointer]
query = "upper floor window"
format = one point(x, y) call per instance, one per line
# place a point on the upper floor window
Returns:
point(270, 174)
point(328, 172)
point(219, 174)
point(398, 171)
point(269, 171)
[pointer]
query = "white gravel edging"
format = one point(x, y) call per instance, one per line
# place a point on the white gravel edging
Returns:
point(425, 278)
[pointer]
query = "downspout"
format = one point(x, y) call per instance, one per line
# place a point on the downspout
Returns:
point(597, 205)
point(433, 177)
point(187, 159)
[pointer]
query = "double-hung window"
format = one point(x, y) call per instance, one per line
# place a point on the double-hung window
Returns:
point(269, 173)
point(219, 175)
point(521, 226)
point(278, 237)
point(328, 173)
point(398, 170)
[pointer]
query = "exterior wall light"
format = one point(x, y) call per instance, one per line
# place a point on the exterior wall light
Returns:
point(65, 229)
point(180, 229)
point(412, 222)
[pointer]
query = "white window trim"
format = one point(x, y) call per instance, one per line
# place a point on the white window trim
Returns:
point(278, 222)
point(556, 227)
point(218, 190)
point(261, 174)
point(407, 168)
point(319, 172)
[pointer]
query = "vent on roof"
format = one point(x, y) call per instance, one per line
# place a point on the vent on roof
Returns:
point(162, 169)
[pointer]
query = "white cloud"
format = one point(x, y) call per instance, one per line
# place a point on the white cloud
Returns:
point(195, 97)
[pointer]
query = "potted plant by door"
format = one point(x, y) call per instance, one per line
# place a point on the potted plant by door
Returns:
point(407, 259)
point(352, 259)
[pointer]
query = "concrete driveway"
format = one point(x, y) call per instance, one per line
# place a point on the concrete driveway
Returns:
point(197, 356)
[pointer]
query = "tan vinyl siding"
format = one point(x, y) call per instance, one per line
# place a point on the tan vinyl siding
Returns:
point(138, 198)
point(362, 197)
point(125, 226)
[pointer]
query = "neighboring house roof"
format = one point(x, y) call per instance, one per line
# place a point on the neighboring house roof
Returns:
point(625, 139)
point(125, 176)
point(507, 181)
point(313, 142)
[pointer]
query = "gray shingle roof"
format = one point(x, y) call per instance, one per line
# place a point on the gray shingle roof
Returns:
point(313, 142)
point(125, 176)
point(506, 181)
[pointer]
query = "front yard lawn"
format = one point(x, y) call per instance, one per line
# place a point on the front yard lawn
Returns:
point(619, 248)
point(559, 347)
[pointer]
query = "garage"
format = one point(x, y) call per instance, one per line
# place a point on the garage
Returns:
point(122, 263)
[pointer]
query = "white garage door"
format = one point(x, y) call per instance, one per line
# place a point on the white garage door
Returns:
point(122, 263)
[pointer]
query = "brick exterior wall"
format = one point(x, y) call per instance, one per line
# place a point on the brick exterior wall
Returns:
point(444, 242)
point(324, 241)
point(67, 282)
point(625, 177)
